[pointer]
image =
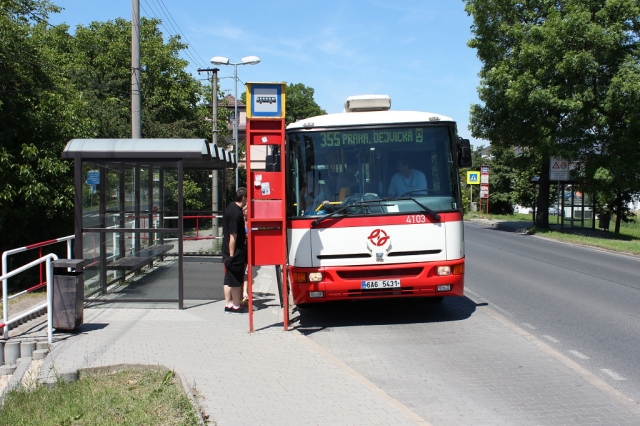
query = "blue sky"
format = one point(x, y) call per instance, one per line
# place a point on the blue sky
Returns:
point(413, 51)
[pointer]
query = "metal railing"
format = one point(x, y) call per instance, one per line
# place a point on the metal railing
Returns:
point(6, 322)
point(38, 246)
point(197, 218)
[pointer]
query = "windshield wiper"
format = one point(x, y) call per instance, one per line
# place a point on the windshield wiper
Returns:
point(426, 209)
point(333, 213)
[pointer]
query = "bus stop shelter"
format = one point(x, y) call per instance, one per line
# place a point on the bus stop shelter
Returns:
point(129, 208)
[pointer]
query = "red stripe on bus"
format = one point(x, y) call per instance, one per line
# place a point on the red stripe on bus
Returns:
point(349, 222)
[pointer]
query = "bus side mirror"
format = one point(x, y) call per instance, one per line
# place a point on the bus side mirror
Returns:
point(464, 153)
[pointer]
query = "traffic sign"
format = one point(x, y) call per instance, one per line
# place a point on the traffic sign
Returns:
point(558, 169)
point(93, 177)
point(473, 178)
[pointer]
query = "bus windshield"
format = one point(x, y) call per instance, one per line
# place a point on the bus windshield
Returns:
point(332, 169)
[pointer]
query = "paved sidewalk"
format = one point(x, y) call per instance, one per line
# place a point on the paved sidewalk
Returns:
point(269, 377)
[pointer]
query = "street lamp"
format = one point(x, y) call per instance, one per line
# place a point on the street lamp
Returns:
point(247, 60)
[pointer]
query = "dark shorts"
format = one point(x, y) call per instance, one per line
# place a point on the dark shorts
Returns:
point(234, 270)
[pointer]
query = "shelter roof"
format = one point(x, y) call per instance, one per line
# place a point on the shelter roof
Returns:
point(195, 153)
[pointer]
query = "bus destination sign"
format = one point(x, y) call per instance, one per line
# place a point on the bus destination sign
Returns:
point(368, 137)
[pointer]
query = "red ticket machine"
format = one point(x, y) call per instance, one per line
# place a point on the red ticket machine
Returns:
point(267, 239)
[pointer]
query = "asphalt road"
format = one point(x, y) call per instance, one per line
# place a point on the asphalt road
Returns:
point(583, 302)
point(547, 334)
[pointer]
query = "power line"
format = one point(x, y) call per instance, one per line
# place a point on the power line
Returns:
point(183, 35)
point(167, 22)
point(190, 60)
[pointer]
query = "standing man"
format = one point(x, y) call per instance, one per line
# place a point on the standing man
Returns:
point(234, 253)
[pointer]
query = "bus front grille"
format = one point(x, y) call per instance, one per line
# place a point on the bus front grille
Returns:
point(379, 273)
point(381, 292)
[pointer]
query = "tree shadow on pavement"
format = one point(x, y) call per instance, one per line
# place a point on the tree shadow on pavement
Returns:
point(318, 317)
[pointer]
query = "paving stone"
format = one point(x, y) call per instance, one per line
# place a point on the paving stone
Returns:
point(471, 369)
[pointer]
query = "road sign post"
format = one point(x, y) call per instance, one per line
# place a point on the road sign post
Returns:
point(558, 169)
point(473, 178)
point(484, 187)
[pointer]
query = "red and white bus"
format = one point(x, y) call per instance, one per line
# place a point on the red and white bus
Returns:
point(394, 223)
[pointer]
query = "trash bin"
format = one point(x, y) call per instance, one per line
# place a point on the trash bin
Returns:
point(604, 221)
point(474, 206)
point(68, 294)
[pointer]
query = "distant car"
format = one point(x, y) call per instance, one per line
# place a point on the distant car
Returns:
point(522, 210)
point(554, 211)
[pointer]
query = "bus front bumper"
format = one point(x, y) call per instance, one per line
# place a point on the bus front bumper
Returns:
point(365, 282)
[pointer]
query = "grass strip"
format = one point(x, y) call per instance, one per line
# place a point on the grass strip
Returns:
point(627, 241)
point(143, 397)
point(622, 243)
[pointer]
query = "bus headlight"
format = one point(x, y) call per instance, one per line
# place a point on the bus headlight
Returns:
point(315, 277)
point(444, 270)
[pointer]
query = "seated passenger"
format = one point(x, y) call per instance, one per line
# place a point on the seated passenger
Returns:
point(347, 183)
point(407, 180)
point(313, 193)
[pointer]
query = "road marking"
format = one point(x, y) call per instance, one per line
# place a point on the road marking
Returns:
point(578, 354)
point(612, 374)
point(528, 326)
point(551, 339)
point(591, 378)
point(404, 410)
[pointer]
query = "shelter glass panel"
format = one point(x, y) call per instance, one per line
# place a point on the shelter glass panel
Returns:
point(125, 260)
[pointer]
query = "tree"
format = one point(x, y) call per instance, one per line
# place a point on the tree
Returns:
point(548, 69)
point(55, 87)
point(36, 189)
point(300, 103)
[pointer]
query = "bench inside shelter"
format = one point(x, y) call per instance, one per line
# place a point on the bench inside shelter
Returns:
point(140, 258)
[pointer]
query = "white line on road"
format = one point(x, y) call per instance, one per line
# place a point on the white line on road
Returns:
point(578, 354)
point(594, 380)
point(551, 339)
point(528, 325)
point(612, 374)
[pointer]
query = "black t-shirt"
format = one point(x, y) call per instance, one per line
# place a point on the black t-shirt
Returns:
point(233, 223)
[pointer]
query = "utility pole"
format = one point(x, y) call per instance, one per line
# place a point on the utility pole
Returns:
point(136, 128)
point(215, 206)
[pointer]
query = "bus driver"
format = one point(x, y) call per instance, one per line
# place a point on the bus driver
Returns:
point(406, 180)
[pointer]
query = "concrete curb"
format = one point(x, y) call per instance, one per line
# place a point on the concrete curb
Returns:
point(16, 378)
point(189, 391)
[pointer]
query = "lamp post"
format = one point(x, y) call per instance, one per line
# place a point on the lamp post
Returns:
point(247, 60)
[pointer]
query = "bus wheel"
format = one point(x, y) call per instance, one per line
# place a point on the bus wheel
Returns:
point(435, 300)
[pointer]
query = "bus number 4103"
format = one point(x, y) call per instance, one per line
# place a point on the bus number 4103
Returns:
point(417, 218)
